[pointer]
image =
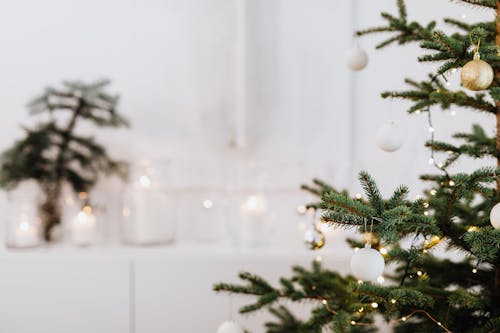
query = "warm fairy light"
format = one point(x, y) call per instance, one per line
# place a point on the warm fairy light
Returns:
point(426, 213)
point(419, 273)
point(439, 323)
point(393, 301)
point(353, 322)
point(361, 309)
point(403, 319)
point(301, 209)
point(380, 279)
point(358, 196)
point(474, 270)
point(433, 192)
point(145, 181)
point(87, 209)
point(83, 195)
point(424, 251)
point(472, 229)
point(126, 212)
point(374, 305)
point(360, 281)
point(383, 250)
point(436, 239)
point(318, 258)
point(426, 204)
point(418, 111)
point(431, 160)
point(451, 183)
point(324, 302)
point(207, 203)
point(431, 129)
point(440, 165)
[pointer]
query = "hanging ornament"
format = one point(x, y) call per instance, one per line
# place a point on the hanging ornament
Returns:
point(356, 58)
point(367, 264)
point(230, 327)
point(389, 137)
point(476, 74)
point(495, 216)
point(314, 238)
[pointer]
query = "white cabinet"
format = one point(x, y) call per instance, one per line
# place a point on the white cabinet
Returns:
point(136, 290)
point(51, 293)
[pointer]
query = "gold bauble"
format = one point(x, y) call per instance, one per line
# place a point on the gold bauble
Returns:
point(476, 74)
point(314, 238)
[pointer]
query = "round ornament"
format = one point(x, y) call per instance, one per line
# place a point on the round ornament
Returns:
point(495, 216)
point(476, 74)
point(367, 264)
point(230, 327)
point(356, 58)
point(314, 238)
point(389, 137)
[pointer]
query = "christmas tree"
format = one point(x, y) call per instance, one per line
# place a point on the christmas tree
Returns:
point(53, 155)
point(425, 292)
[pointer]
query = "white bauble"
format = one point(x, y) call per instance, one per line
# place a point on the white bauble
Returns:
point(389, 137)
point(495, 216)
point(367, 264)
point(230, 327)
point(357, 58)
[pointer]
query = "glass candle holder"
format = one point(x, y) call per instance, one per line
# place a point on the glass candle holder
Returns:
point(23, 225)
point(148, 209)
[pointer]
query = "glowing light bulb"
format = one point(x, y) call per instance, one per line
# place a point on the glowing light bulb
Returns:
point(451, 183)
point(431, 160)
point(383, 250)
point(374, 305)
point(145, 181)
point(474, 270)
point(353, 322)
point(207, 203)
point(393, 301)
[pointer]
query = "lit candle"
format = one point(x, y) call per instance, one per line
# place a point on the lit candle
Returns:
point(26, 234)
point(84, 227)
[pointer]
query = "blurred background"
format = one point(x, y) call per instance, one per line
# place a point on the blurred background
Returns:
point(233, 105)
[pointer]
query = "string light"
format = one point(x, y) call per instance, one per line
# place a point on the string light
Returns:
point(207, 203)
point(383, 250)
point(353, 322)
point(474, 270)
point(358, 196)
point(393, 301)
point(318, 258)
point(419, 273)
point(433, 192)
point(374, 305)
point(301, 209)
point(451, 183)
point(325, 302)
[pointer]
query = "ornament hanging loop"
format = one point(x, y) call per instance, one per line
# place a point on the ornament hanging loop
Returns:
point(477, 56)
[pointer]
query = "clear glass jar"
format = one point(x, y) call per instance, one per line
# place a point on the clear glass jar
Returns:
point(148, 208)
point(23, 225)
